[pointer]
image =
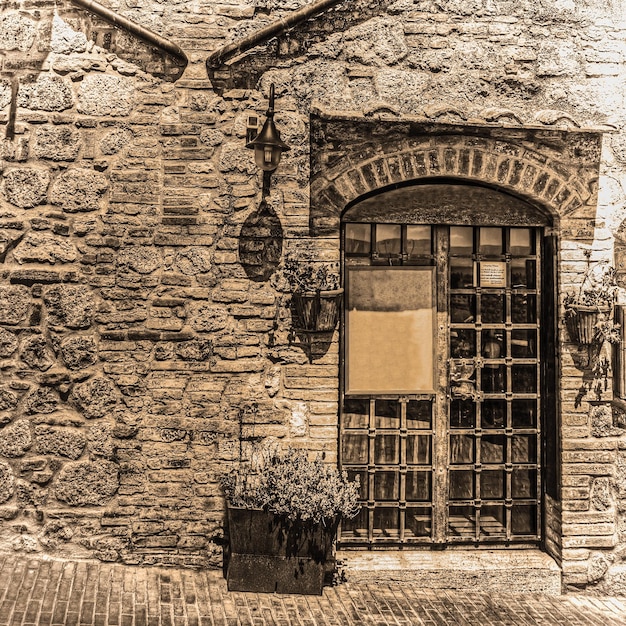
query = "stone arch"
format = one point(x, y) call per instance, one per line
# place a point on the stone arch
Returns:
point(554, 170)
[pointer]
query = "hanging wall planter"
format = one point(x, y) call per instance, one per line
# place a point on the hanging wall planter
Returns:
point(317, 311)
point(589, 310)
point(585, 324)
point(316, 294)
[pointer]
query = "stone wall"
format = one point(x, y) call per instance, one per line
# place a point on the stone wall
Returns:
point(137, 352)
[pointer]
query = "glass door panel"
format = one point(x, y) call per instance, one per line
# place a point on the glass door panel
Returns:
point(454, 461)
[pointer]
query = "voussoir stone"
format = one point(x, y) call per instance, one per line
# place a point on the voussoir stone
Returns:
point(26, 187)
point(15, 439)
point(87, 483)
point(65, 442)
point(79, 352)
point(95, 397)
point(47, 93)
point(103, 94)
point(44, 248)
point(15, 304)
point(72, 306)
point(57, 143)
point(78, 190)
point(7, 482)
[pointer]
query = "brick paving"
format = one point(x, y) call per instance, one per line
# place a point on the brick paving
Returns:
point(77, 593)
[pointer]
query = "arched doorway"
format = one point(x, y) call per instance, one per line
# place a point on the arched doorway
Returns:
point(447, 411)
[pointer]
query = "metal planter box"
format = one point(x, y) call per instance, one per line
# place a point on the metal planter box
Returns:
point(269, 553)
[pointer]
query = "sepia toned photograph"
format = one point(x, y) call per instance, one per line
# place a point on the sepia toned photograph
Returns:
point(312, 312)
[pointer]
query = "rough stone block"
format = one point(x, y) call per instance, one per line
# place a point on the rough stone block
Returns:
point(65, 442)
point(87, 483)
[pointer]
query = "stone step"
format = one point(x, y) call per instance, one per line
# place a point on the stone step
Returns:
point(511, 570)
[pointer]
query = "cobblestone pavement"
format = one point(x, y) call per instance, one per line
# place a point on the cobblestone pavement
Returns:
point(51, 592)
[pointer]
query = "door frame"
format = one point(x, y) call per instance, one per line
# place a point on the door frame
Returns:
point(547, 455)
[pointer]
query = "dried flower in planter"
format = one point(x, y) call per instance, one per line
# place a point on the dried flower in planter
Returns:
point(288, 484)
point(588, 311)
point(310, 277)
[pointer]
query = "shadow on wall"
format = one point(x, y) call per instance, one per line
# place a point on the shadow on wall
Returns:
point(26, 53)
point(326, 29)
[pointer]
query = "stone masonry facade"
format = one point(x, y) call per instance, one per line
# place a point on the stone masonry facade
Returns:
point(137, 353)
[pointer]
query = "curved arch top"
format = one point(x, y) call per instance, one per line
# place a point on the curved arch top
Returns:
point(553, 171)
point(446, 203)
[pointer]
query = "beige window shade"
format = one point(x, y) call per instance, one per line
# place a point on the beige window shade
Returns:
point(390, 346)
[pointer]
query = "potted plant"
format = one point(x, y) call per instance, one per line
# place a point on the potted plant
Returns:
point(316, 294)
point(589, 311)
point(283, 513)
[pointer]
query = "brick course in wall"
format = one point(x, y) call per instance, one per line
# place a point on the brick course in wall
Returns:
point(136, 351)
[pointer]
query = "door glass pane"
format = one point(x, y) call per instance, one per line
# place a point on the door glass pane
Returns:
point(462, 343)
point(418, 414)
point(524, 448)
point(524, 519)
point(492, 449)
point(388, 240)
point(386, 521)
point(522, 242)
point(355, 527)
point(461, 240)
point(524, 483)
point(461, 273)
point(418, 521)
point(363, 482)
point(358, 238)
point(523, 309)
point(386, 449)
point(462, 485)
point(524, 344)
point(493, 414)
point(492, 485)
point(492, 308)
point(490, 241)
point(522, 274)
point(492, 520)
point(524, 378)
point(462, 414)
point(386, 486)
point(462, 309)
point(418, 241)
point(356, 413)
point(493, 344)
point(462, 522)
point(461, 449)
point(354, 448)
point(524, 413)
point(493, 378)
point(387, 414)
point(418, 449)
point(418, 486)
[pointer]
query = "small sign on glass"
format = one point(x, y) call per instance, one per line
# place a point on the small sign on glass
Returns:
point(493, 274)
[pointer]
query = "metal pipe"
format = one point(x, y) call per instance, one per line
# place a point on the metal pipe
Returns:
point(217, 58)
point(136, 29)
